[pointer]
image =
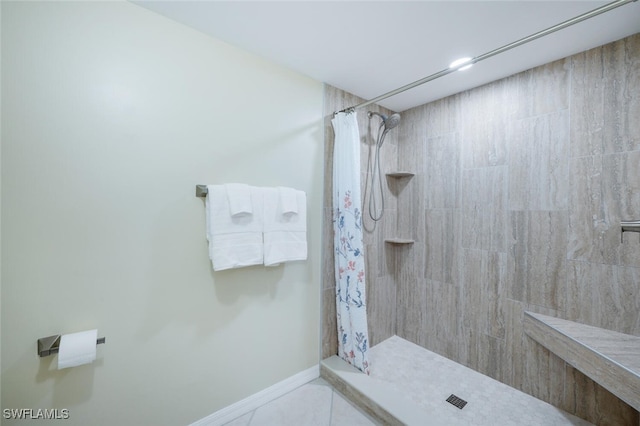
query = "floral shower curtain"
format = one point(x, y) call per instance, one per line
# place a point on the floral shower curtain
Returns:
point(353, 339)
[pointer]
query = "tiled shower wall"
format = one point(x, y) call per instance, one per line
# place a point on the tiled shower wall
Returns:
point(519, 190)
point(516, 205)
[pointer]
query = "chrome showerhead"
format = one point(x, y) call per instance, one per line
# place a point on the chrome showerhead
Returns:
point(392, 121)
point(388, 122)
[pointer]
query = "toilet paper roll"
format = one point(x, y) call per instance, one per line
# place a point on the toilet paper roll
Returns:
point(77, 349)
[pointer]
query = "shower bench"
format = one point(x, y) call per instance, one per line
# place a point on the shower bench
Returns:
point(609, 358)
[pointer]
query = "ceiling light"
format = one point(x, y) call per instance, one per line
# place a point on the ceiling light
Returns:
point(459, 64)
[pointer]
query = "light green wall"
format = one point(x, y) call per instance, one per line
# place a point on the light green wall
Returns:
point(110, 117)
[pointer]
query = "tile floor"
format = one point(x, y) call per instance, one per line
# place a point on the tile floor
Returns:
point(313, 404)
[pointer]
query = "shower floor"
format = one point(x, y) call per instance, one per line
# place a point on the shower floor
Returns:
point(409, 385)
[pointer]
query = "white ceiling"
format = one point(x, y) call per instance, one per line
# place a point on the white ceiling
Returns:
point(372, 47)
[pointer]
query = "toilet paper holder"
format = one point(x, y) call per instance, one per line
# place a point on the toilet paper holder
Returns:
point(51, 345)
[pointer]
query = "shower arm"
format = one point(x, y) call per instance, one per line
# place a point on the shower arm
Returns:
point(595, 12)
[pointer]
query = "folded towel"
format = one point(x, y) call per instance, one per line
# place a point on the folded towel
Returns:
point(285, 235)
point(234, 241)
point(239, 195)
point(288, 200)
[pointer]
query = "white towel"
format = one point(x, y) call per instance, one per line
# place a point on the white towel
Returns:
point(235, 241)
point(288, 200)
point(239, 195)
point(285, 235)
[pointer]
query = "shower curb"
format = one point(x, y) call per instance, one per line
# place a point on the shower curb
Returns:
point(379, 400)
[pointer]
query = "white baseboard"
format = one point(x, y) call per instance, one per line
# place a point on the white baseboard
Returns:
point(256, 400)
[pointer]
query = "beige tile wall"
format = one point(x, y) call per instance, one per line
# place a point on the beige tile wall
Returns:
point(525, 182)
point(519, 190)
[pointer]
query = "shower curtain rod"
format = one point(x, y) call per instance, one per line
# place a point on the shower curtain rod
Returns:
point(602, 9)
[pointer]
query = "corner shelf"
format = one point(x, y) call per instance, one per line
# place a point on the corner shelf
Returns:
point(400, 174)
point(395, 240)
point(399, 241)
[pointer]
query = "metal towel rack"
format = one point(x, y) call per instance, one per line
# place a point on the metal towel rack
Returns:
point(51, 345)
point(201, 191)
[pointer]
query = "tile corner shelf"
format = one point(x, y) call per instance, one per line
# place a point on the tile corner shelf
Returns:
point(400, 174)
point(609, 358)
point(399, 241)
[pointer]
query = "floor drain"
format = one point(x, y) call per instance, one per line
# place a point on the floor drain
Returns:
point(458, 402)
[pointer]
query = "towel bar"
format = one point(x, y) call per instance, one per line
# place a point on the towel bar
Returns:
point(51, 345)
point(201, 191)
